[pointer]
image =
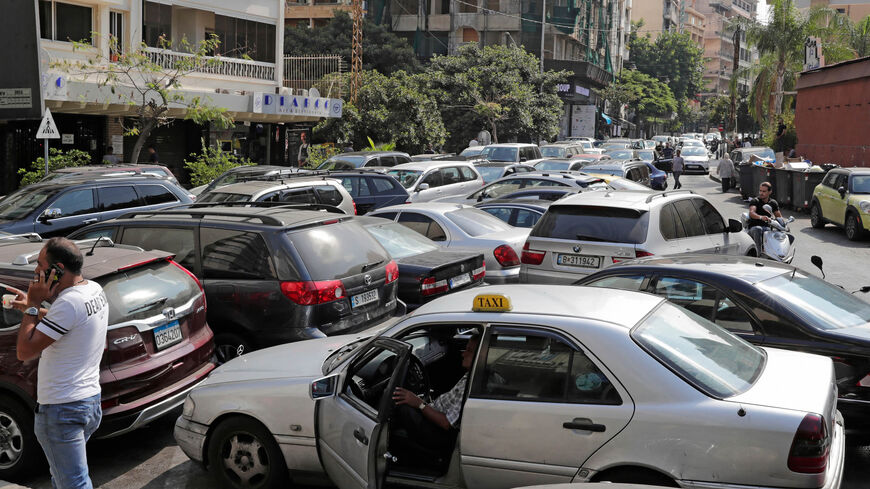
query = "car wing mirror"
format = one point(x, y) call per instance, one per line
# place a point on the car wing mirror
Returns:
point(323, 387)
point(790, 219)
point(422, 186)
point(842, 191)
point(51, 213)
point(734, 226)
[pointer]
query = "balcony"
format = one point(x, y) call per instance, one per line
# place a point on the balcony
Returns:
point(241, 68)
point(580, 69)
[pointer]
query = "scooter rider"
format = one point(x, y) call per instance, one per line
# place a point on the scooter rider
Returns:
point(758, 216)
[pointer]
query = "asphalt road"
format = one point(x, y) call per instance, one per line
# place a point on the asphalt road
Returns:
point(149, 458)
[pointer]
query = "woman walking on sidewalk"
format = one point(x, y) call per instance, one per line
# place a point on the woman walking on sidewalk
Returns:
point(726, 172)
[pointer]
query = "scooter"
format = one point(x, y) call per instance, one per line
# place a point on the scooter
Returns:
point(777, 242)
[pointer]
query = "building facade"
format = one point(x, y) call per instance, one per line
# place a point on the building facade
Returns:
point(313, 13)
point(719, 45)
point(93, 118)
point(856, 10)
point(658, 16)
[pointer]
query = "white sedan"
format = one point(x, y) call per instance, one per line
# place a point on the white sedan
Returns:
point(564, 384)
point(696, 159)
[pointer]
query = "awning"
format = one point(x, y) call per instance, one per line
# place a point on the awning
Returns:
point(607, 118)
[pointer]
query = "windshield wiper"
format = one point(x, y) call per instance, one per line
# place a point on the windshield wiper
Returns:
point(583, 237)
point(370, 265)
point(148, 305)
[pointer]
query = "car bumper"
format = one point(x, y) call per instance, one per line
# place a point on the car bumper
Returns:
point(695, 167)
point(833, 476)
point(190, 437)
point(502, 276)
point(553, 277)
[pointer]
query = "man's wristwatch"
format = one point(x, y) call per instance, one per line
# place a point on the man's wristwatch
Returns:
point(32, 311)
point(422, 406)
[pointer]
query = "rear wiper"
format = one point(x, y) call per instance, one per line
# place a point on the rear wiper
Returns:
point(148, 305)
point(583, 237)
point(371, 265)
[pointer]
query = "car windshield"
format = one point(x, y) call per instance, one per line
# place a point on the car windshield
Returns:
point(222, 197)
point(497, 189)
point(500, 153)
point(325, 253)
point(621, 154)
point(401, 241)
point(585, 144)
point(552, 165)
point(475, 222)
point(823, 305)
point(705, 355)
point(473, 151)
point(553, 151)
point(342, 163)
point(765, 153)
point(593, 223)
point(694, 151)
point(25, 201)
point(861, 184)
point(490, 173)
point(646, 155)
point(405, 177)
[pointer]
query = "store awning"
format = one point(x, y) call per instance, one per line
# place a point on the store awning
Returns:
point(607, 118)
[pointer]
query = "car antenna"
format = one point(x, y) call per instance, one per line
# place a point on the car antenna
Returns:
point(91, 252)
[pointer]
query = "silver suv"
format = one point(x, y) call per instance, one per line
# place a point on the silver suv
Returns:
point(295, 189)
point(586, 232)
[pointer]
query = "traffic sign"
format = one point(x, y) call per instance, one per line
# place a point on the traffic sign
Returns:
point(47, 128)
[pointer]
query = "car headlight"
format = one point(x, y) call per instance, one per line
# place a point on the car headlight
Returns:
point(189, 406)
point(865, 206)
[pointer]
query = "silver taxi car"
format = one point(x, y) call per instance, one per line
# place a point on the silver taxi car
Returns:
point(567, 384)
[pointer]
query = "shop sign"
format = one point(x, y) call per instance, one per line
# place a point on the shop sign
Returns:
point(268, 103)
point(581, 90)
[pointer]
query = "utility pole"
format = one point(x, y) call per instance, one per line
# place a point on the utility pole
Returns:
point(735, 82)
point(543, 29)
point(356, 51)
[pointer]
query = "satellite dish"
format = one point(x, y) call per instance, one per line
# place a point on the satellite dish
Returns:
point(313, 92)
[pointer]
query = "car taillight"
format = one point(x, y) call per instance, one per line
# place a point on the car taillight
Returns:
point(354, 209)
point(431, 287)
point(198, 283)
point(637, 254)
point(392, 272)
point(479, 273)
point(532, 257)
point(310, 293)
point(506, 256)
point(809, 449)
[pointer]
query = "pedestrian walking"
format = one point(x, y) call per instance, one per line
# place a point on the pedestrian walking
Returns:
point(153, 157)
point(668, 151)
point(677, 168)
point(68, 338)
point(726, 172)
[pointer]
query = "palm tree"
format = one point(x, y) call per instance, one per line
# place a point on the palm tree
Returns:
point(860, 39)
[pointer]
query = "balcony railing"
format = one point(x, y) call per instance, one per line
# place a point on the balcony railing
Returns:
point(241, 68)
point(321, 72)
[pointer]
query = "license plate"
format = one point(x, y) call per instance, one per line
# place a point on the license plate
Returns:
point(460, 280)
point(585, 261)
point(167, 335)
point(364, 298)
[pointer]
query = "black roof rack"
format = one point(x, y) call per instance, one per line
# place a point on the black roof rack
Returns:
point(203, 210)
point(669, 192)
point(278, 205)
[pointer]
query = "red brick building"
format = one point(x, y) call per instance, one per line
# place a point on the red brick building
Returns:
point(832, 117)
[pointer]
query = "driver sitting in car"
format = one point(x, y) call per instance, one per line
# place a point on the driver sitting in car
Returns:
point(434, 426)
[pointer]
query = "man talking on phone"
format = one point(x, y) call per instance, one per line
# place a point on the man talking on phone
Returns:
point(68, 338)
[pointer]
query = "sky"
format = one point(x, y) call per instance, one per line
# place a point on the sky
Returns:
point(762, 11)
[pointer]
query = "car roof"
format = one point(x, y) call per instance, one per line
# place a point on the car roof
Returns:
point(633, 199)
point(503, 164)
point(854, 169)
point(534, 204)
point(279, 216)
point(752, 148)
point(510, 145)
point(251, 187)
point(436, 207)
point(86, 179)
point(370, 153)
point(427, 165)
point(554, 300)
point(743, 268)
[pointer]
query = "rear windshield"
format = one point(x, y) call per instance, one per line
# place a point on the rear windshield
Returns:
point(336, 251)
point(490, 173)
point(143, 292)
point(475, 151)
point(593, 223)
point(475, 222)
point(401, 241)
point(605, 170)
point(223, 197)
point(824, 305)
point(553, 151)
point(407, 178)
point(25, 201)
point(499, 153)
point(552, 165)
point(705, 355)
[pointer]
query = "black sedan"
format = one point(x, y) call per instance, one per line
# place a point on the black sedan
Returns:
point(426, 270)
point(766, 303)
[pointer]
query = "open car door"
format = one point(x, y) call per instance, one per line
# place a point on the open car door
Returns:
point(351, 424)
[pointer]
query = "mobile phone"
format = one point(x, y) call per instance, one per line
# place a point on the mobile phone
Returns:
point(58, 272)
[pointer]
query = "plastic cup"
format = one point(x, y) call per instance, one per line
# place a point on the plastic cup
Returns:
point(7, 300)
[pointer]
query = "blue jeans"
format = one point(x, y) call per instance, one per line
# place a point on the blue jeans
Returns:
point(63, 430)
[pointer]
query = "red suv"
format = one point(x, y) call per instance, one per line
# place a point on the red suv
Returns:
point(158, 345)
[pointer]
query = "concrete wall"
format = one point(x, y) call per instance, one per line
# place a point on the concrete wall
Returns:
point(833, 114)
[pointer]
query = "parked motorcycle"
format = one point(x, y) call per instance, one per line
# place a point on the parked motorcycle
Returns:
point(777, 243)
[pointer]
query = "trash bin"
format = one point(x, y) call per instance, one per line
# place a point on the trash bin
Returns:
point(746, 180)
point(803, 184)
point(782, 186)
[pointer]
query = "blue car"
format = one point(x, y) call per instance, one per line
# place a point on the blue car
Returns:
point(371, 190)
point(657, 178)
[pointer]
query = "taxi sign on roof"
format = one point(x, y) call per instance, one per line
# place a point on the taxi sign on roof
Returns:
point(491, 303)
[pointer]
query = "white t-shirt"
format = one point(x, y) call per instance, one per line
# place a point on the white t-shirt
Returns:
point(69, 369)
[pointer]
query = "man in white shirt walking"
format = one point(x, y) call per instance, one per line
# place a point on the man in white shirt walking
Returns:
point(677, 169)
point(68, 338)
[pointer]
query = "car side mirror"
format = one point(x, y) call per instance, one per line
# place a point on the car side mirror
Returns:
point(842, 191)
point(51, 213)
point(734, 226)
point(422, 186)
point(323, 387)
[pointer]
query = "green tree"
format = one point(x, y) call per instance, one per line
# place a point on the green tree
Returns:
point(211, 163)
point(383, 51)
point(860, 37)
point(717, 110)
point(653, 100)
point(390, 109)
point(672, 57)
point(56, 159)
point(133, 77)
point(498, 88)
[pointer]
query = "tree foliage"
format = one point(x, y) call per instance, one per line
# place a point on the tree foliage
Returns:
point(673, 57)
point(56, 159)
point(211, 163)
point(134, 77)
point(649, 97)
point(383, 51)
point(497, 88)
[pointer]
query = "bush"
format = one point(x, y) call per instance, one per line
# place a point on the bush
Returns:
point(57, 159)
point(319, 153)
point(211, 163)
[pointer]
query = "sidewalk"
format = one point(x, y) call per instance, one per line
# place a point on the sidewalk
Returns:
point(9, 485)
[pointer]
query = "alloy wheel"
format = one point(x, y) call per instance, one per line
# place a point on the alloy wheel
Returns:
point(245, 460)
point(11, 441)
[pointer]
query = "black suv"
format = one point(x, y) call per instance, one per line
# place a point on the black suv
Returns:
point(59, 207)
point(271, 274)
point(158, 344)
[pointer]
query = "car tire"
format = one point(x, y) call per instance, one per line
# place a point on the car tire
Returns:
point(816, 219)
point(854, 227)
point(228, 346)
point(20, 453)
point(242, 454)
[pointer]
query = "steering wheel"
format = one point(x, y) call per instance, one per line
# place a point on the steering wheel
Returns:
point(416, 378)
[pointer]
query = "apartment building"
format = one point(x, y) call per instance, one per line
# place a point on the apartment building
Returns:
point(692, 21)
point(313, 13)
point(658, 16)
point(719, 44)
point(247, 82)
point(856, 10)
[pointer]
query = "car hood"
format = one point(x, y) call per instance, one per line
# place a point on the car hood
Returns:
point(696, 158)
